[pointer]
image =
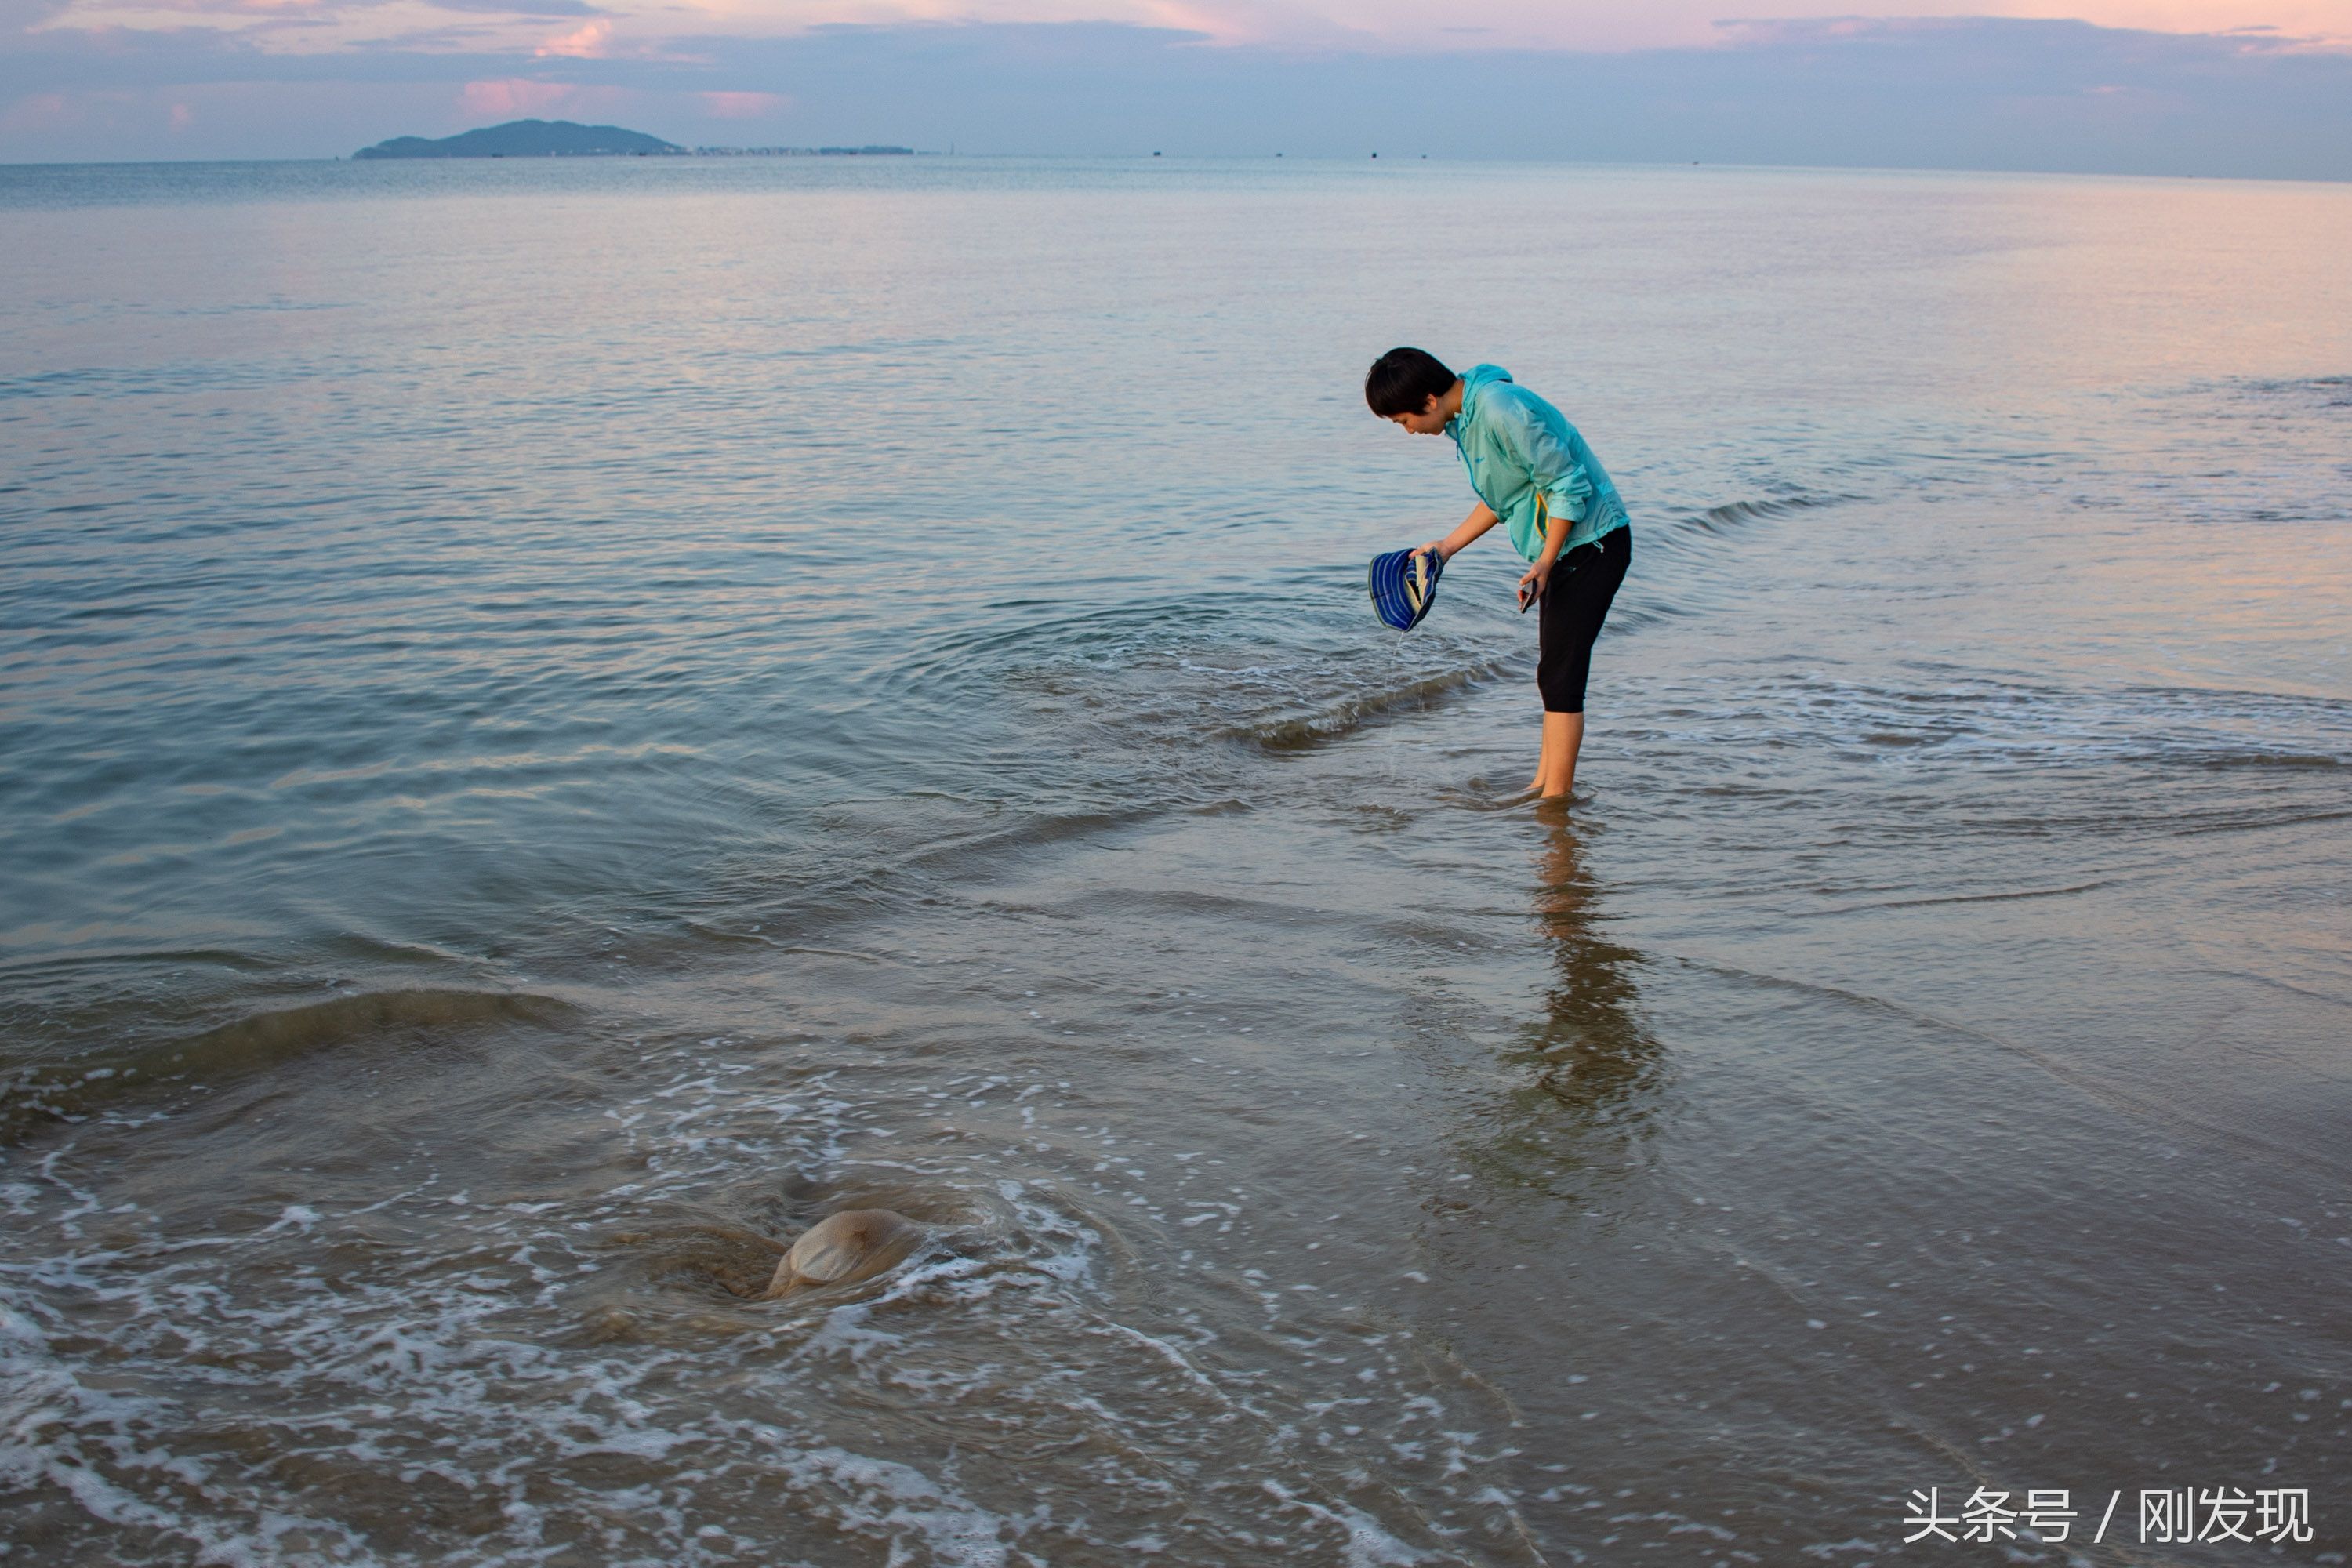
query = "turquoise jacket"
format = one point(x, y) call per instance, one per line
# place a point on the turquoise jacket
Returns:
point(1526, 461)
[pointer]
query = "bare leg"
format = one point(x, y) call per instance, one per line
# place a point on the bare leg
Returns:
point(1543, 763)
point(1563, 737)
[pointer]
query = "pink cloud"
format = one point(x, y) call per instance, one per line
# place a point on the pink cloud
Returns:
point(38, 112)
point(182, 117)
point(585, 44)
point(743, 105)
point(512, 97)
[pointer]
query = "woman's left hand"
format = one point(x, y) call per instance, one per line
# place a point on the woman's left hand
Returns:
point(1531, 587)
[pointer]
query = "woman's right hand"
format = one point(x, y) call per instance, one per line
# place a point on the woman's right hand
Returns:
point(1436, 544)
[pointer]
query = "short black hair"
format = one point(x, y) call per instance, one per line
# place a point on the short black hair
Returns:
point(1402, 381)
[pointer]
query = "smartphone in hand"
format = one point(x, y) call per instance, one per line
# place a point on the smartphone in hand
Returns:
point(1529, 594)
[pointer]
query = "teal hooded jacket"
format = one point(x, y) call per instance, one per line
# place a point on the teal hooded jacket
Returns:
point(1526, 461)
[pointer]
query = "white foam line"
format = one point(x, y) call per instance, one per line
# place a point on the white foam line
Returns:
point(39, 1396)
point(1369, 1546)
point(1174, 1356)
point(957, 1530)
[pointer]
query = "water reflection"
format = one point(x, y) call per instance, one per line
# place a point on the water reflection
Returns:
point(1586, 1072)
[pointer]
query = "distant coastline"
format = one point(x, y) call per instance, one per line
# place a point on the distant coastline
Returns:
point(566, 139)
point(804, 153)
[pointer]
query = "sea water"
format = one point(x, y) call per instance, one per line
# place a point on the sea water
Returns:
point(559, 722)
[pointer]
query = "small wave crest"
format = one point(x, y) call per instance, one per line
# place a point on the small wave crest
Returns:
point(1737, 514)
point(1993, 725)
point(2325, 391)
point(1346, 713)
point(1295, 663)
point(255, 1044)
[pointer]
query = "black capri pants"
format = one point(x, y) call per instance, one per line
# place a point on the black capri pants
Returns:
point(1582, 585)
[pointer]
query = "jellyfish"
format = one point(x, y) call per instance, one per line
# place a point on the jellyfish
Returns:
point(846, 1248)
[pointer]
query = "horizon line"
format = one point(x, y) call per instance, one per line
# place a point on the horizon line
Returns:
point(1351, 159)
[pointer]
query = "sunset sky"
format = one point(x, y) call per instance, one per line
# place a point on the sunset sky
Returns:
point(2208, 87)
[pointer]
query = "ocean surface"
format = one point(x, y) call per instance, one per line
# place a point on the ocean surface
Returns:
point(560, 721)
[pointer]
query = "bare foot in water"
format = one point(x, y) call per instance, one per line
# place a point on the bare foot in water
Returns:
point(1563, 737)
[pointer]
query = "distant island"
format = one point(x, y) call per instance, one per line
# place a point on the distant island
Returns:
point(562, 139)
point(529, 139)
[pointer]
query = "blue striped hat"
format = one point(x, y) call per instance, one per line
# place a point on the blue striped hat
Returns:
point(1403, 585)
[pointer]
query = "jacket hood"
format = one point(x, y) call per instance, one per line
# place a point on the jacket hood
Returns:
point(1478, 378)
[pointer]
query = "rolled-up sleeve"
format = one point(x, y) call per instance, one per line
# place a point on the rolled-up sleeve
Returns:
point(1551, 467)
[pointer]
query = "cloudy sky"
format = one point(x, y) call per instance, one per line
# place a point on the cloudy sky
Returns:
point(2256, 88)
